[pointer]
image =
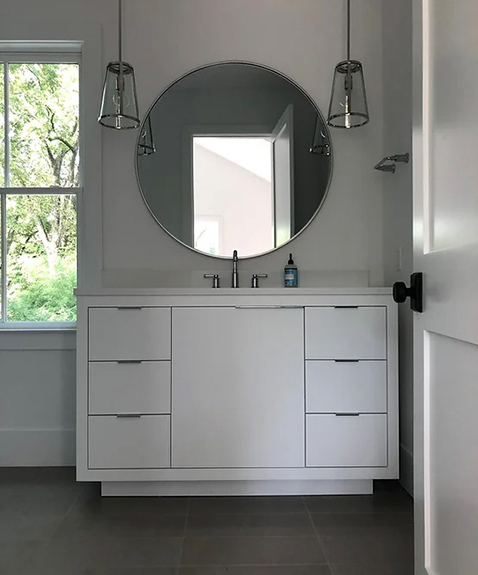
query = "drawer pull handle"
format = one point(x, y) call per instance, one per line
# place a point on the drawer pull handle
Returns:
point(346, 360)
point(269, 307)
point(346, 306)
point(347, 415)
point(128, 361)
point(129, 415)
point(125, 308)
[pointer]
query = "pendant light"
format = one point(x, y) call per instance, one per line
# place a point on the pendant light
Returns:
point(348, 102)
point(146, 145)
point(320, 143)
point(119, 104)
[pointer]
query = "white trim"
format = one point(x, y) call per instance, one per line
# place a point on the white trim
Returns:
point(233, 488)
point(37, 340)
point(37, 326)
point(42, 47)
point(37, 447)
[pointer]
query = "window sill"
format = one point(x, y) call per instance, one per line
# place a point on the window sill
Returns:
point(37, 327)
point(36, 338)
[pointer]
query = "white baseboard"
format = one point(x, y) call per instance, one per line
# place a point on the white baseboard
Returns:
point(406, 469)
point(37, 447)
point(232, 488)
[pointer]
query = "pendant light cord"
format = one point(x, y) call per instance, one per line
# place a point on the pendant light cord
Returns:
point(120, 30)
point(348, 30)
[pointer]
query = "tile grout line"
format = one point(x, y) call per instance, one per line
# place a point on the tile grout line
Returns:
point(188, 510)
point(318, 537)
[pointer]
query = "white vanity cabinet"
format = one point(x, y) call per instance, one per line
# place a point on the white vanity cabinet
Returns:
point(238, 388)
point(241, 391)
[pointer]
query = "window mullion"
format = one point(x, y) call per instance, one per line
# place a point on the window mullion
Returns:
point(3, 199)
point(6, 135)
point(3, 226)
point(76, 191)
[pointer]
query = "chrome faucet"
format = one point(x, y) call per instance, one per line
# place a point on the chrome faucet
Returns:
point(235, 275)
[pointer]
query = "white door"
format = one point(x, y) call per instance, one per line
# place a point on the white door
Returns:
point(283, 176)
point(238, 388)
point(446, 251)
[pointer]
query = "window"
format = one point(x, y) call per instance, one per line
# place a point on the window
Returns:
point(39, 188)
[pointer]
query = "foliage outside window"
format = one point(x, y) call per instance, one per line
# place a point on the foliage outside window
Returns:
point(39, 181)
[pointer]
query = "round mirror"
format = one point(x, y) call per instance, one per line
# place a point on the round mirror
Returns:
point(234, 156)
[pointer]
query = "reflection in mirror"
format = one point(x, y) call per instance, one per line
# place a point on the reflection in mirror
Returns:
point(232, 167)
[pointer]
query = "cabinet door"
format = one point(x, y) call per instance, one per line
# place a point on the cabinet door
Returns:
point(238, 388)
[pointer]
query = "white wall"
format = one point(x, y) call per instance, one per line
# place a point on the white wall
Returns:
point(163, 39)
point(397, 218)
point(37, 405)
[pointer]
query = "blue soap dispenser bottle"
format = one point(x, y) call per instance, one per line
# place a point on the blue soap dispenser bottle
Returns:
point(291, 274)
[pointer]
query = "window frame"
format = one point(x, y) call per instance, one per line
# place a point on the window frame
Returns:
point(64, 55)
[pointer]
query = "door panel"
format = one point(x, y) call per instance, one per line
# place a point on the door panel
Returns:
point(451, 508)
point(238, 388)
point(445, 213)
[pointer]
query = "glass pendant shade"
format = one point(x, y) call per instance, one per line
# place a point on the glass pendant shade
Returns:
point(119, 104)
point(146, 142)
point(320, 143)
point(348, 102)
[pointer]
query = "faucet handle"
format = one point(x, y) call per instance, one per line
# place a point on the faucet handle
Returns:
point(255, 279)
point(216, 280)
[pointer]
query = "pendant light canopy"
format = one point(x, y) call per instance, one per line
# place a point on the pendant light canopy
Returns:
point(119, 104)
point(348, 102)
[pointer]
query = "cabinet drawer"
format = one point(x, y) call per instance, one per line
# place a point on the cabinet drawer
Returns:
point(129, 333)
point(142, 388)
point(129, 443)
point(336, 387)
point(334, 441)
point(346, 333)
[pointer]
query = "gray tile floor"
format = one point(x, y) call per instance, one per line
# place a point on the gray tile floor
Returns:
point(50, 525)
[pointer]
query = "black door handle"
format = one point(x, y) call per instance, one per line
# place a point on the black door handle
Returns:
point(414, 292)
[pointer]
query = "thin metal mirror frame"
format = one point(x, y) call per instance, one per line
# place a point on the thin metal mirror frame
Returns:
point(304, 93)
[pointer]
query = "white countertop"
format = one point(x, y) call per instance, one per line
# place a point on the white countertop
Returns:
point(226, 291)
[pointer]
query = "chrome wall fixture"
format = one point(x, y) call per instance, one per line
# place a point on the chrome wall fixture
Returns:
point(348, 101)
point(384, 166)
point(119, 103)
